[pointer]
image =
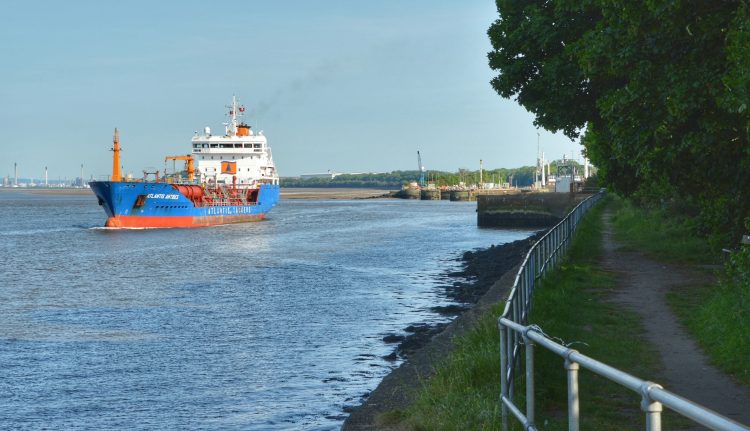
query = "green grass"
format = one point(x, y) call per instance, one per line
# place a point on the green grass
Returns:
point(720, 320)
point(717, 316)
point(722, 326)
point(570, 304)
point(665, 237)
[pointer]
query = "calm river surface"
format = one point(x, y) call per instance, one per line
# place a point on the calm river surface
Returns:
point(262, 326)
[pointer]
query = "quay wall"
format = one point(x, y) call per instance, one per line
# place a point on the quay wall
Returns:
point(525, 210)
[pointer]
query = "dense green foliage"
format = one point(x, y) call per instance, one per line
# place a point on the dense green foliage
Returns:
point(572, 299)
point(661, 89)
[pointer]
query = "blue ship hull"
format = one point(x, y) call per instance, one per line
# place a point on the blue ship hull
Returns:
point(157, 205)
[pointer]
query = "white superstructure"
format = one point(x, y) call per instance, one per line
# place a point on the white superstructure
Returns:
point(239, 156)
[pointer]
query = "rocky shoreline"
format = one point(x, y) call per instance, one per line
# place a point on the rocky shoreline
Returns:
point(485, 279)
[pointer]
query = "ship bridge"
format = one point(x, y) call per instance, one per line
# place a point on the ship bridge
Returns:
point(239, 156)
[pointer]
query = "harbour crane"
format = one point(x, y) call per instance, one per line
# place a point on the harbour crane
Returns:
point(421, 170)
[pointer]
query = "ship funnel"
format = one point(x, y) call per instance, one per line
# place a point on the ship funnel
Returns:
point(243, 129)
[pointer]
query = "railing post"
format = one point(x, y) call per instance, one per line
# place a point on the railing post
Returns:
point(503, 375)
point(509, 347)
point(549, 253)
point(546, 256)
point(652, 408)
point(573, 395)
point(514, 336)
point(529, 380)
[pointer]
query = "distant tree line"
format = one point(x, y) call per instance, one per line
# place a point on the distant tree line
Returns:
point(520, 177)
point(659, 92)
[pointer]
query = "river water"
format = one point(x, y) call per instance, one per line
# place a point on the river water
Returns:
point(262, 326)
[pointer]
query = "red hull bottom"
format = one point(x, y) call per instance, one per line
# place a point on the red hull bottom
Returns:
point(178, 221)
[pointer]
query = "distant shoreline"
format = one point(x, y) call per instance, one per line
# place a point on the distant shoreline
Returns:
point(47, 190)
point(333, 193)
point(286, 193)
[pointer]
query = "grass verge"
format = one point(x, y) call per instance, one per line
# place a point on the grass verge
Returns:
point(719, 322)
point(571, 305)
point(717, 316)
point(663, 236)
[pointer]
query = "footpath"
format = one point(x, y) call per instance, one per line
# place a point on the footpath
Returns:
point(642, 288)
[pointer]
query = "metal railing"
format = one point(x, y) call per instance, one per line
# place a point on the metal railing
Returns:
point(653, 396)
point(543, 256)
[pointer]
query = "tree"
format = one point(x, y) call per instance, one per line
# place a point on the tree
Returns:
point(660, 87)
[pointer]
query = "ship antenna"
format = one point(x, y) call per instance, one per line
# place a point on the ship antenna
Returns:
point(235, 110)
point(233, 113)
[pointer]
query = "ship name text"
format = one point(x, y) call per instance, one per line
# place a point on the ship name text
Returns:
point(162, 196)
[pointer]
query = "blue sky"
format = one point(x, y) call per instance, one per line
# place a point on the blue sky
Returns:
point(350, 86)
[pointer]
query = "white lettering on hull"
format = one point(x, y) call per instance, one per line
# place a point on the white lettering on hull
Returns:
point(230, 210)
point(162, 196)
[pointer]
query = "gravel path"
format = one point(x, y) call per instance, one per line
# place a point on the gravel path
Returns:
point(642, 288)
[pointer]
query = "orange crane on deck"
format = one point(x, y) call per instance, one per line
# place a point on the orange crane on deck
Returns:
point(189, 164)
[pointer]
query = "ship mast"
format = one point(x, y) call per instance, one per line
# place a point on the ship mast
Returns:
point(233, 114)
point(115, 158)
point(235, 110)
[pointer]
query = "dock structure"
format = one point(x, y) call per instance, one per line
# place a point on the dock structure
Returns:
point(524, 210)
point(462, 195)
point(430, 195)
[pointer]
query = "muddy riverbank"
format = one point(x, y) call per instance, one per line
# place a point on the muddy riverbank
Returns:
point(486, 278)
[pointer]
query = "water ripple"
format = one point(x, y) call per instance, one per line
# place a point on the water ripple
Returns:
point(263, 326)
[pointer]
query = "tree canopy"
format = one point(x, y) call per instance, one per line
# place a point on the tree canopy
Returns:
point(659, 91)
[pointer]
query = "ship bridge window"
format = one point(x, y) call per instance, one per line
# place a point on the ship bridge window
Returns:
point(225, 145)
point(258, 145)
point(237, 145)
point(214, 145)
point(196, 145)
point(248, 145)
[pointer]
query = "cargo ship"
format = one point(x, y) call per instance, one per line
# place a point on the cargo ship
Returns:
point(227, 178)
